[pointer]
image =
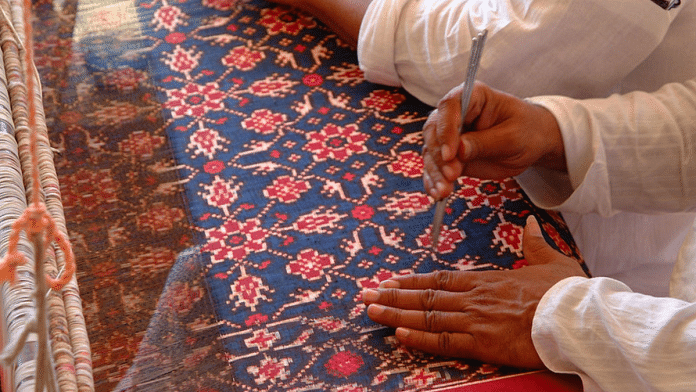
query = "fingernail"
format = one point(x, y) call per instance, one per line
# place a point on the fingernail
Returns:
point(433, 193)
point(440, 188)
point(369, 295)
point(375, 310)
point(533, 226)
point(389, 284)
point(466, 147)
point(402, 333)
point(445, 151)
point(447, 171)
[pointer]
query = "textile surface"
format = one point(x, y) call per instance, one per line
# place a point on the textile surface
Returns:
point(245, 134)
point(305, 184)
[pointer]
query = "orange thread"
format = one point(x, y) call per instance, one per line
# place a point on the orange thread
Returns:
point(35, 220)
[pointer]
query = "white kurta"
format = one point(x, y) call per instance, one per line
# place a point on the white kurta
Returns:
point(635, 152)
point(576, 48)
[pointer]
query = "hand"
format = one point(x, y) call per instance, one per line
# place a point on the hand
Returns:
point(485, 315)
point(504, 136)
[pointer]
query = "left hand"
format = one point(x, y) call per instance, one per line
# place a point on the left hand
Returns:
point(485, 315)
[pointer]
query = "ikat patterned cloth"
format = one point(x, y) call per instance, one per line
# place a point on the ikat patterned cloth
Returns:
point(303, 186)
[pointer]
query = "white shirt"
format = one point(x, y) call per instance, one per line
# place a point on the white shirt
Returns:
point(576, 48)
point(635, 152)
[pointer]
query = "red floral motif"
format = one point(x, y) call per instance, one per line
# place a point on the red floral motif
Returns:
point(310, 264)
point(159, 217)
point(509, 237)
point(262, 340)
point(344, 363)
point(363, 212)
point(207, 142)
point(312, 80)
point(319, 221)
point(214, 167)
point(180, 296)
point(125, 79)
point(87, 190)
point(168, 17)
point(270, 369)
point(408, 164)
point(382, 100)
point(373, 282)
point(336, 142)
point(243, 58)
point(175, 38)
point(286, 189)
point(282, 20)
point(406, 203)
point(449, 238)
point(273, 86)
point(221, 193)
point(235, 240)
point(141, 144)
point(222, 5)
point(248, 290)
point(491, 193)
point(264, 121)
point(182, 60)
point(194, 100)
point(557, 239)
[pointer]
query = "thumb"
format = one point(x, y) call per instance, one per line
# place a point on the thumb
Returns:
point(534, 246)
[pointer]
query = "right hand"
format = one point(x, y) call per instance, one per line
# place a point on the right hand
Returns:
point(503, 136)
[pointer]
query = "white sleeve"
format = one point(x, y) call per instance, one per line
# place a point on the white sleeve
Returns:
point(614, 339)
point(577, 48)
point(632, 152)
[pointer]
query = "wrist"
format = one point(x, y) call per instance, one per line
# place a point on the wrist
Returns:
point(550, 137)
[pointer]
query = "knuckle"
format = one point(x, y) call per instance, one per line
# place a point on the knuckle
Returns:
point(444, 342)
point(389, 297)
point(432, 319)
point(442, 279)
point(428, 297)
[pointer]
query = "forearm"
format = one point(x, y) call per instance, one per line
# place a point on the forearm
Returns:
point(616, 340)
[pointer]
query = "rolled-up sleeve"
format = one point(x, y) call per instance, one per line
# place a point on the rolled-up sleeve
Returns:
point(578, 48)
point(614, 339)
point(632, 152)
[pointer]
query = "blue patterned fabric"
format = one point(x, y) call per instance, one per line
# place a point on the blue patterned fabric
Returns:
point(304, 182)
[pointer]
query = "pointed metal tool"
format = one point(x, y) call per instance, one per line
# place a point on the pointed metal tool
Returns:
point(472, 69)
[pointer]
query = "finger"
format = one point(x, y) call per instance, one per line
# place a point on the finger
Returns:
point(498, 141)
point(439, 186)
point(537, 251)
point(479, 98)
point(428, 185)
point(534, 245)
point(449, 123)
point(431, 321)
point(428, 299)
point(454, 281)
point(458, 345)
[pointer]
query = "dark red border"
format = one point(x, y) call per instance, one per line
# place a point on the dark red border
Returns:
point(542, 381)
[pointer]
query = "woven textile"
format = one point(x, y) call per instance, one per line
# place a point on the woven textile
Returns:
point(303, 182)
